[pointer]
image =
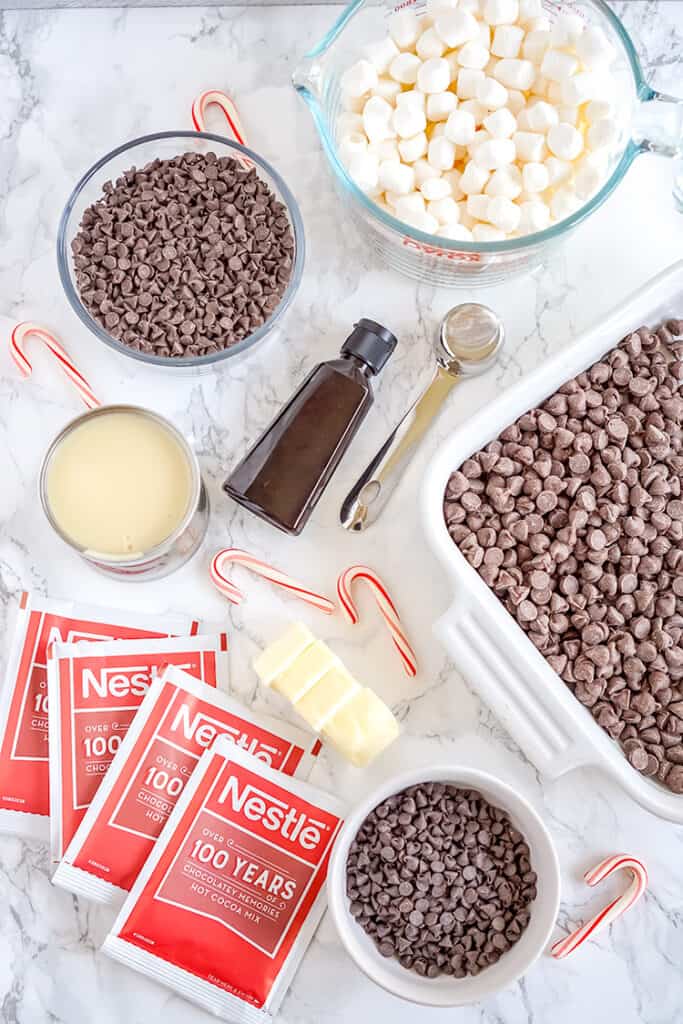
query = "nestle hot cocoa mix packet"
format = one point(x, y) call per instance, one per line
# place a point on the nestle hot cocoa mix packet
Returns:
point(95, 691)
point(24, 785)
point(233, 890)
point(179, 718)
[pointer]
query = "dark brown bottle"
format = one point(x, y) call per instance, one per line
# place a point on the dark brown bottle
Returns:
point(283, 476)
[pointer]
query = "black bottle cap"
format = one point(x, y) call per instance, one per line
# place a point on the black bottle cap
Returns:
point(371, 343)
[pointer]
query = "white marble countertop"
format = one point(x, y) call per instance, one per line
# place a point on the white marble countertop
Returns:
point(73, 85)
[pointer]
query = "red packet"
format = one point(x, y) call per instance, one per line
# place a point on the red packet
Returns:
point(233, 890)
point(24, 800)
point(94, 692)
point(178, 719)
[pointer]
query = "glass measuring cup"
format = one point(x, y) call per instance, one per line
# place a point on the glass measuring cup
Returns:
point(652, 122)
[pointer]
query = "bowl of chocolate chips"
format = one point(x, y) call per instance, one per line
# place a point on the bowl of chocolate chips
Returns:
point(444, 885)
point(181, 249)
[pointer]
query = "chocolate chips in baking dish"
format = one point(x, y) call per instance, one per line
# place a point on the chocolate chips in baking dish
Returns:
point(573, 516)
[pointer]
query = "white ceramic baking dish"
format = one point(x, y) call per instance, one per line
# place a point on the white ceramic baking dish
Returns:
point(496, 657)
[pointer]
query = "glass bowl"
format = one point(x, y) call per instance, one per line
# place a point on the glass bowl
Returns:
point(138, 152)
point(651, 122)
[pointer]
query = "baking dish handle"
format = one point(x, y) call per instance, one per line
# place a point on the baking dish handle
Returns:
point(527, 708)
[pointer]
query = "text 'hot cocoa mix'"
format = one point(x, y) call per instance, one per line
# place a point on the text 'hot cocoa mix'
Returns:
point(574, 517)
point(439, 878)
point(184, 257)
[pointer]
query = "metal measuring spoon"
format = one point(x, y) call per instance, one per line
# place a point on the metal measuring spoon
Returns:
point(470, 338)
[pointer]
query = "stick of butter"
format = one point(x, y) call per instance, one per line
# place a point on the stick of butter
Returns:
point(325, 694)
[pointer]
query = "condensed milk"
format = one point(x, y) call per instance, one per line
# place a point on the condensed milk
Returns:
point(122, 486)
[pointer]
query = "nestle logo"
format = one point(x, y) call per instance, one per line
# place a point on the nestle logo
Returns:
point(273, 814)
point(119, 682)
point(202, 730)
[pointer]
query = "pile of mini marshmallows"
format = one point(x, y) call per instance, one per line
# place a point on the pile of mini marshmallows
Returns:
point(481, 120)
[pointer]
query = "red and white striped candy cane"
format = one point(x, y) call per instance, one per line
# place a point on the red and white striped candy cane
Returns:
point(385, 605)
point(613, 910)
point(235, 555)
point(222, 100)
point(16, 345)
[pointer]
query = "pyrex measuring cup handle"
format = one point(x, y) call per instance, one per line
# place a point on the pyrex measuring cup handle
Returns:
point(376, 484)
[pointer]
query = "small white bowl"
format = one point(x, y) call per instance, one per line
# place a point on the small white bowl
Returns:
point(447, 990)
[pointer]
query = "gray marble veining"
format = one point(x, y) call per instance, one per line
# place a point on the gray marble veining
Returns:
point(72, 85)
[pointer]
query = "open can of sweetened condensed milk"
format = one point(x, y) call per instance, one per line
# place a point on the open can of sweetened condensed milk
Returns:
point(122, 487)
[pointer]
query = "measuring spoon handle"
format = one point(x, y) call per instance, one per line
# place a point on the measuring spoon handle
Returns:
point(376, 484)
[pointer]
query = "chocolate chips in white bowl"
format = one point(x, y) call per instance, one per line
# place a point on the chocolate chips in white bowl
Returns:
point(184, 257)
point(440, 880)
point(574, 517)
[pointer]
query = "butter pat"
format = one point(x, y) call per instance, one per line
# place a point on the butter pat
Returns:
point(327, 696)
point(304, 672)
point(362, 728)
point(280, 654)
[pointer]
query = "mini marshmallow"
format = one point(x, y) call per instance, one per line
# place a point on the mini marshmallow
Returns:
point(404, 29)
point(424, 171)
point(348, 122)
point(430, 44)
point(516, 101)
point(529, 146)
point(535, 216)
point(523, 123)
point(491, 94)
point(591, 172)
point(558, 170)
point(393, 176)
point(351, 144)
point(535, 45)
point(387, 88)
point(452, 58)
point(445, 210)
point(580, 88)
point(504, 214)
point(602, 133)
point(558, 65)
point(380, 53)
point(412, 98)
point(461, 127)
point(475, 108)
point(500, 12)
point(540, 24)
point(507, 182)
point(478, 206)
point(567, 29)
point(473, 6)
point(540, 87)
point(596, 110)
point(422, 221)
point(453, 179)
point(487, 233)
point(515, 74)
point(441, 153)
point(473, 178)
point(455, 232)
point(434, 75)
point(377, 115)
point(473, 55)
point(594, 48)
point(535, 177)
point(456, 27)
point(507, 40)
point(408, 121)
point(565, 141)
point(554, 92)
point(364, 169)
point(494, 153)
point(413, 149)
point(405, 67)
point(529, 9)
point(440, 105)
point(435, 189)
point(570, 115)
point(435, 130)
point(563, 203)
point(410, 204)
point(501, 124)
point(541, 116)
point(468, 82)
point(360, 78)
point(385, 149)
point(481, 135)
point(352, 104)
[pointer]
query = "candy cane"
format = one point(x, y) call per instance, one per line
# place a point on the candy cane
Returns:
point(281, 579)
point(613, 910)
point(385, 605)
point(222, 100)
point(16, 345)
